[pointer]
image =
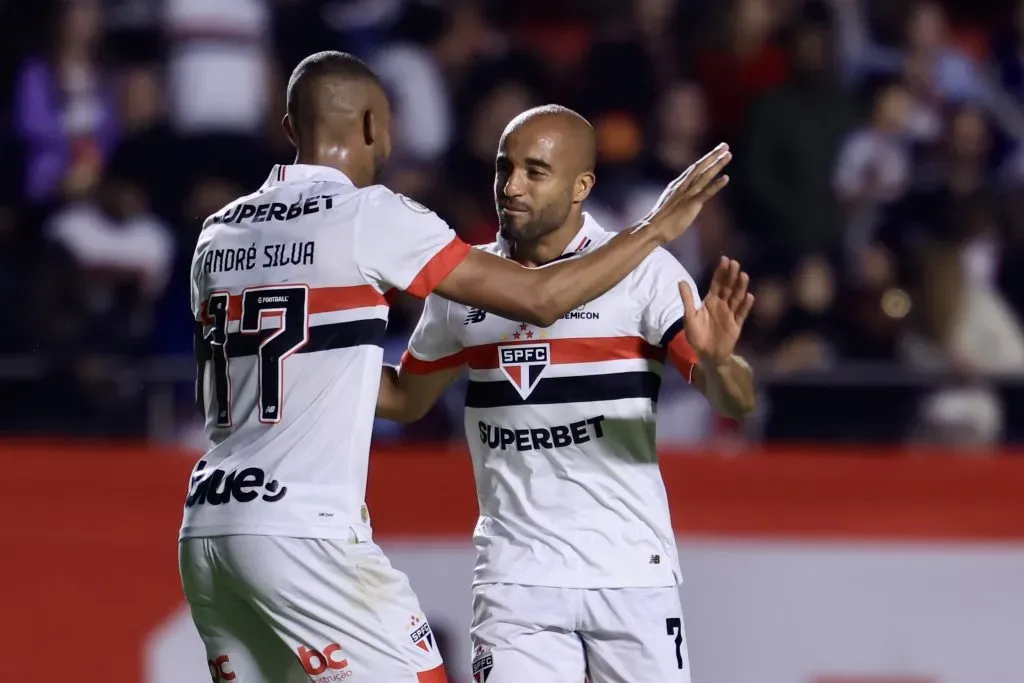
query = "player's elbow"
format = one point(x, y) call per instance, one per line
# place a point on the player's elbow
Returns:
point(415, 413)
point(402, 412)
point(541, 307)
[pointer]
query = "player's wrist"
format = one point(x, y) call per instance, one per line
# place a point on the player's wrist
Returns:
point(654, 230)
point(714, 361)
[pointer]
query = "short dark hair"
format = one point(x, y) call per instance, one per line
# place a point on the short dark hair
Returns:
point(301, 100)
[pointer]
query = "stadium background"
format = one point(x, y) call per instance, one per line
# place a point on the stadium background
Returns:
point(867, 526)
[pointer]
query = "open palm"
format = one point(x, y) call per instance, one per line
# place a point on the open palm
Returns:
point(714, 329)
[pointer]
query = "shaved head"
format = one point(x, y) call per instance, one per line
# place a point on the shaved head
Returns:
point(543, 172)
point(579, 144)
point(336, 101)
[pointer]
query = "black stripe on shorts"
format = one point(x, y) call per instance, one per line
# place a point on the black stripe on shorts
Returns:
point(552, 390)
point(321, 337)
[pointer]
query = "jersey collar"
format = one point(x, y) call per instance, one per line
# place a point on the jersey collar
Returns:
point(583, 240)
point(282, 174)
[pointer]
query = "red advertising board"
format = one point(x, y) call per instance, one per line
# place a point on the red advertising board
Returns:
point(90, 530)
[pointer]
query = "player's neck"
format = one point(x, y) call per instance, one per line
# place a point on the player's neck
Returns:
point(549, 247)
point(337, 157)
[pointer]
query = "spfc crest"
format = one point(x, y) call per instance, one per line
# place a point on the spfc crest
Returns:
point(423, 638)
point(524, 365)
point(483, 662)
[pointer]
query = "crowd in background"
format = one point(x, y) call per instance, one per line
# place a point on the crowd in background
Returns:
point(877, 196)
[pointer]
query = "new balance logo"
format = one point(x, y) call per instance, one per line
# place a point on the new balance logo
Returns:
point(475, 315)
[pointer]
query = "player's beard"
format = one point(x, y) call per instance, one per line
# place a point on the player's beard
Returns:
point(536, 225)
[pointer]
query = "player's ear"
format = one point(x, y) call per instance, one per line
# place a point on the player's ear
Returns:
point(584, 184)
point(286, 123)
point(369, 127)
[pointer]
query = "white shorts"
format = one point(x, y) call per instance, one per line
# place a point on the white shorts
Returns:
point(563, 635)
point(292, 610)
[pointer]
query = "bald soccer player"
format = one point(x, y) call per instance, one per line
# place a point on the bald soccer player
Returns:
point(576, 573)
point(289, 293)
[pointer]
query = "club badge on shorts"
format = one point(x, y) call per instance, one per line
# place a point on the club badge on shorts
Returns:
point(483, 662)
point(421, 635)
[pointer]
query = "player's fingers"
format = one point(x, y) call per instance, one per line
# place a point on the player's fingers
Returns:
point(689, 176)
point(705, 175)
point(672, 192)
point(687, 296)
point(711, 190)
point(739, 293)
point(730, 280)
point(744, 310)
point(718, 278)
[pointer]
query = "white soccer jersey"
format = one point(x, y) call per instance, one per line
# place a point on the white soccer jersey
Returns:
point(288, 285)
point(560, 423)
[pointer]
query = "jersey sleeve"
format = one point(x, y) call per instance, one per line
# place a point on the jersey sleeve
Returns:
point(200, 348)
point(433, 346)
point(661, 320)
point(196, 293)
point(403, 245)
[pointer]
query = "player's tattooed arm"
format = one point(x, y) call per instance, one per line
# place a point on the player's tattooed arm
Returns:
point(406, 396)
point(713, 330)
point(540, 296)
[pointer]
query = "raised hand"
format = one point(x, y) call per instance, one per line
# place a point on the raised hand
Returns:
point(683, 198)
point(714, 328)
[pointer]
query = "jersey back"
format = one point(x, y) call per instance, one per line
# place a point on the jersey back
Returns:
point(288, 295)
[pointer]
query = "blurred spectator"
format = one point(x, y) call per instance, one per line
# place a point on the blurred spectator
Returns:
point(874, 167)
point(470, 165)
point(924, 120)
point(219, 65)
point(927, 42)
point(790, 144)
point(148, 136)
point(433, 44)
point(64, 109)
point(1008, 55)
point(618, 87)
point(741, 64)
point(679, 136)
point(898, 237)
point(655, 21)
point(965, 324)
point(930, 60)
point(956, 171)
point(805, 330)
point(114, 259)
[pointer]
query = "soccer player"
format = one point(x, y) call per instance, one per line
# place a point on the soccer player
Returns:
point(289, 294)
point(576, 570)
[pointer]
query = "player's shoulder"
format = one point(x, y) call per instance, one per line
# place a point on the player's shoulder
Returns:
point(382, 200)
point(213, 222)
point(436, 307)
point(661, 261)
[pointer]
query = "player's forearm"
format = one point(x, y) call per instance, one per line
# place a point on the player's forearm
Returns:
point(566, 286)
point(407, 396)
point(393, 401)
point(729, 386)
